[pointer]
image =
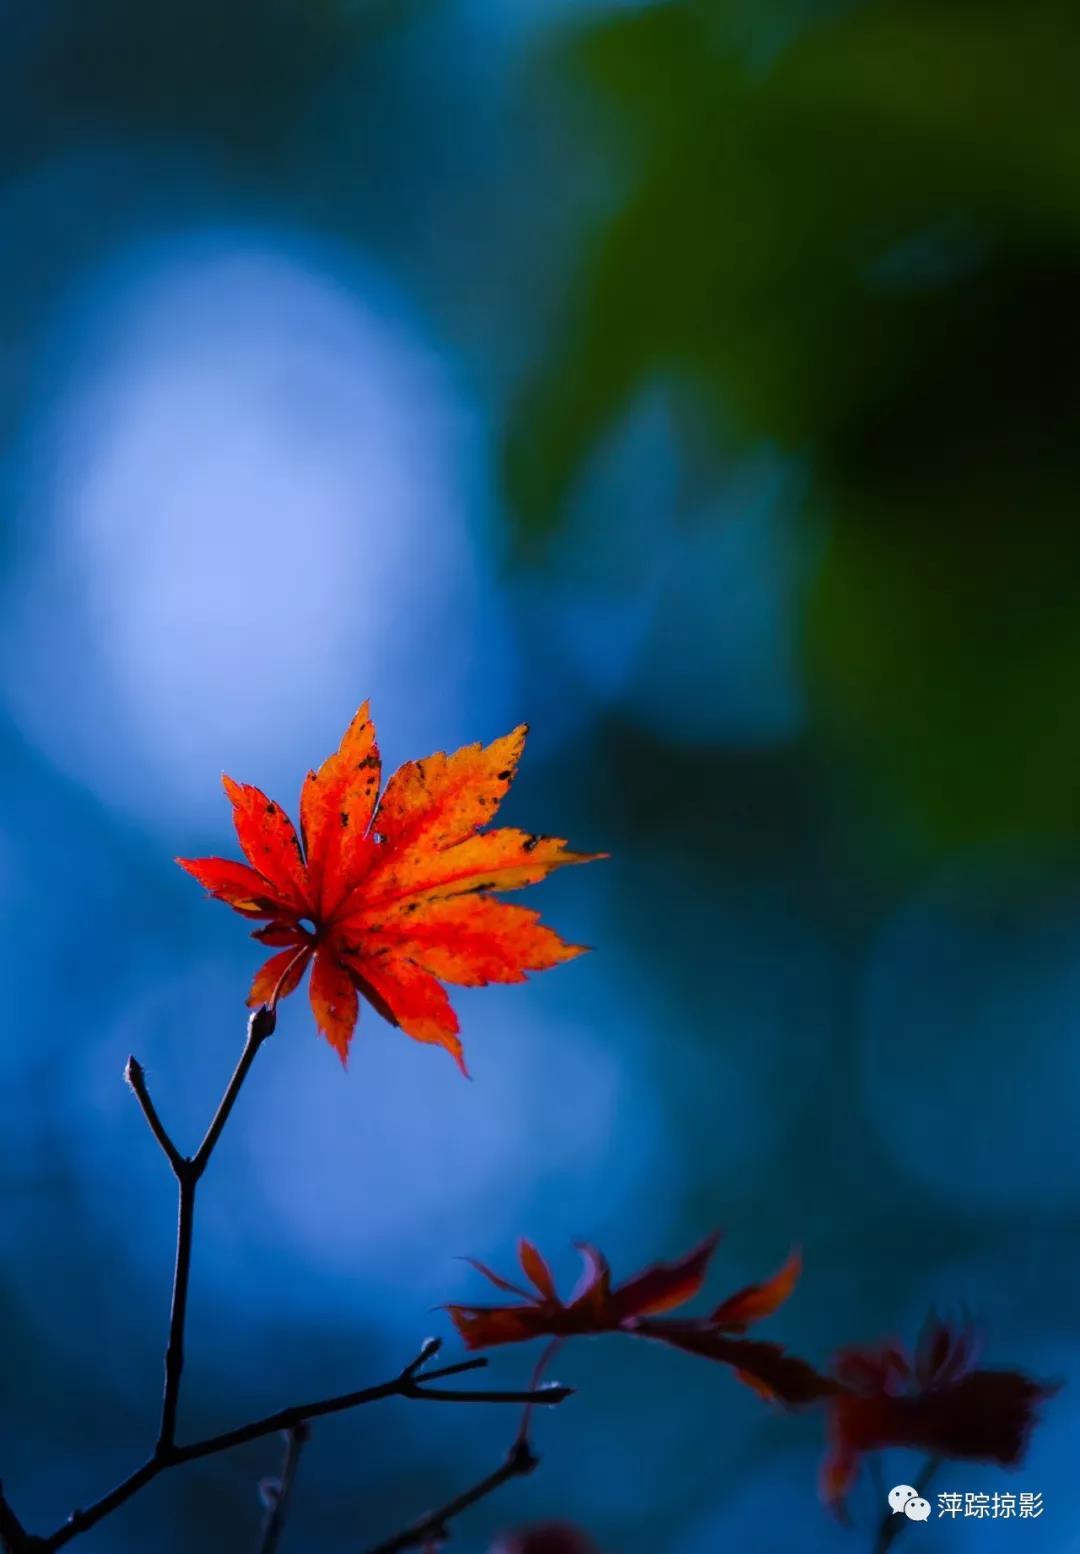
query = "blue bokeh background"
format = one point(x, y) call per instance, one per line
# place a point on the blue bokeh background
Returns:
point(286, 291)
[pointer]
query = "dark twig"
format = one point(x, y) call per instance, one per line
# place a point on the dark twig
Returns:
point(186, 1179)
point(892, 1524)
point(260, 1026)
point(434, 1527)
point(544, 1396)
point(407, 1384)
point(135, 1075)
point(280, 1493)
point(13, 1538)
point(401, 1386)
point(414, 1381)
point(174, 1351)
point(428, 1350)
point(187, 1173)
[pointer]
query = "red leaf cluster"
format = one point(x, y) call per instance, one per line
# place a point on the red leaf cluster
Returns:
point(637, 1307)
point(937, 1400)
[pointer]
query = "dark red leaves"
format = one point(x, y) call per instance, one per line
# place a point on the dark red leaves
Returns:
point(934, 1402)
point(633, 1307)
point(663, 1286)
point(594, 1306)
point(767, 1368)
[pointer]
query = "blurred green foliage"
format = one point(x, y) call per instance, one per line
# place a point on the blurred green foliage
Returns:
point(863, 249)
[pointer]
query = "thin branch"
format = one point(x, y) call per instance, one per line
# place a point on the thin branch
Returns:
point(428, 1350)
point(187, 1173)
point(135, 1075)
point(434, 1527)
point(552, 1392)
point(260, 1026)
point(81, 1521)
point(892, 1525)
point(13, 1537)
point(407, 1384)
point(280, 1493)
point(174, 1349)
point(402, 1386)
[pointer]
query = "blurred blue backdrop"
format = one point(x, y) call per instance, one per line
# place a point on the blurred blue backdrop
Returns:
point(696, 381)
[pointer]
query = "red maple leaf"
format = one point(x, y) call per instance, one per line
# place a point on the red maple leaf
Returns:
point(636, 1307)
point(766, 1367)
point(936, 1401)
point(390, 897)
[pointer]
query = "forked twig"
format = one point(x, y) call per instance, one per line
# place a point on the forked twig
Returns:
point(414, 1381)
point(407, 1384)
point(187, 1173)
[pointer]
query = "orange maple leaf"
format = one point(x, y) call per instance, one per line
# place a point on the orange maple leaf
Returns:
point(636, 1307)
point(389, 897)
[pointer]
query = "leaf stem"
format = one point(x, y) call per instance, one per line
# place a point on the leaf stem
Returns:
point(542, 1364)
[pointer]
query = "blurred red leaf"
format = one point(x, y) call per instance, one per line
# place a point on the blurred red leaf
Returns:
point(936, 1402)
point(597, 1306)
point(594, 1306)
point(390, 897)
point(545, 1538)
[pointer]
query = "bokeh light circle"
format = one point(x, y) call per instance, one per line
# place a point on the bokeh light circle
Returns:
point(250, 496)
